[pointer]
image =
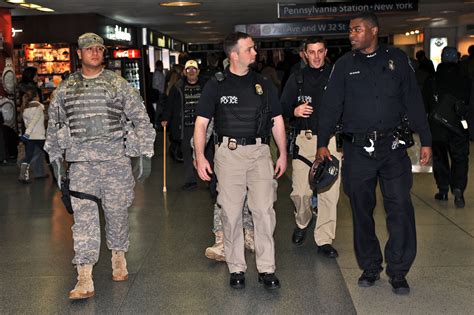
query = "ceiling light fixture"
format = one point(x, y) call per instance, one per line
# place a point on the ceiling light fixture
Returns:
point(198, 22)
point(414, 32)
point(419, 19)
point(180, 4)
point(15, 1)
point(29, 5)
point(188, 14)
point(43, 9)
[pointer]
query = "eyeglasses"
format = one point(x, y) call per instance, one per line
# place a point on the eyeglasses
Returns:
point(191, 69)
point(94, 49)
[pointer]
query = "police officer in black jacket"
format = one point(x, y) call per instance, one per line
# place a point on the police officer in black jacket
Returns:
point(300, 100)
point(371, 88)
point(447, 93)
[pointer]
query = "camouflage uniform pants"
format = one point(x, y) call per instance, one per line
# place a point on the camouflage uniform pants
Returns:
point(113, 182)
point(246, 218)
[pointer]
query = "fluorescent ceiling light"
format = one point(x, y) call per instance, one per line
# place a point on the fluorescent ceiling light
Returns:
point(45, 9)
point(15, 1)
point(419, 19)
point(188, 14)
point(30, 5)
point(197, 22)
point(180, 4)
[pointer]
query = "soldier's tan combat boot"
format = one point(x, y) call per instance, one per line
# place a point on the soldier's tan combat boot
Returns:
point(249, 240)
point(119, 266)
point(85, 286)
point(216, 251)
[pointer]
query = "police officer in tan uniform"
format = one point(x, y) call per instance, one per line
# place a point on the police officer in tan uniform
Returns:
point(246, 112)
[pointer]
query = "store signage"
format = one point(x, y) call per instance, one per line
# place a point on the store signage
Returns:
point(436, 47)
point(161, 41)
point(306, 10)
point(295, 29)
point(118, 33)
point(127, 53)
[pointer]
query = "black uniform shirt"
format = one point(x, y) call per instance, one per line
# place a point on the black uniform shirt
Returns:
point(314, 82)
point(372, 92)
point(243, 87)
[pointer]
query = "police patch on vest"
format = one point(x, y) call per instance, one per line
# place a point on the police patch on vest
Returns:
point(229, 100)
point(305, 99)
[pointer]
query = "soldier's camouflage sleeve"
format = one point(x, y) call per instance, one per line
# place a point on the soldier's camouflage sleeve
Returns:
point(56, 116)
point(135, 111)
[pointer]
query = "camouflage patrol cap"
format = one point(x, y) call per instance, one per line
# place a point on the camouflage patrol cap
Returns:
point(89, 40)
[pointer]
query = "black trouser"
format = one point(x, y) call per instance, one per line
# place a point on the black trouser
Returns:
point(456, 150)
point(189, 171)
point(209, 153)
point(360, 174)
point(30, 147)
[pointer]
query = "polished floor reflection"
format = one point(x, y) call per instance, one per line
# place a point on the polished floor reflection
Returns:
point(170, 275)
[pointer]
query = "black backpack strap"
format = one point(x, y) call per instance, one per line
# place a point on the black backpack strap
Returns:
point(87, 196)
point(299, 78)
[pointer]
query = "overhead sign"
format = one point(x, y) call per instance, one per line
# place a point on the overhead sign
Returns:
point(127, 53)
point(118, 33)
point(295, 29)
point(306, 10)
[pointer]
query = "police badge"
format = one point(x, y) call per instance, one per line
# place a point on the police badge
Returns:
point(391, 65)
point(258, 89)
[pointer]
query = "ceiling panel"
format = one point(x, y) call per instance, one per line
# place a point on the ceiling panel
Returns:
point(224, 14)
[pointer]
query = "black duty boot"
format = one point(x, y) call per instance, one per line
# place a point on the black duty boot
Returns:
point(459, 198)
point(269, 280)
point(441, 196)
point(399, 285)
point(299, 236)
point(368, 278)
point(237, 280)
point(328, 251)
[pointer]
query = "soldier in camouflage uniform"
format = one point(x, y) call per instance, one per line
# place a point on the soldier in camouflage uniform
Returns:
point(90, 115)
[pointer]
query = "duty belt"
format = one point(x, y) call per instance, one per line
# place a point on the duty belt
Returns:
point(362, 139)
point(245, 141)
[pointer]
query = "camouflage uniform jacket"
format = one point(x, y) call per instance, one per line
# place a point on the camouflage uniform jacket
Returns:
point(88, 116)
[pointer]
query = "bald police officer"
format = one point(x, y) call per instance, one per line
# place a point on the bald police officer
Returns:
point(246, 112)
point(90, 115)
point(373, 87)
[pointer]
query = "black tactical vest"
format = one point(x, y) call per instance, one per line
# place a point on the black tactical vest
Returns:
point(239, 108)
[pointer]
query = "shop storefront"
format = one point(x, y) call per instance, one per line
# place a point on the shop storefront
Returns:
point(49, 43)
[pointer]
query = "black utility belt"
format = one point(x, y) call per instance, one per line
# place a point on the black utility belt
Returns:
point(242, 141)
point(362, 139)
